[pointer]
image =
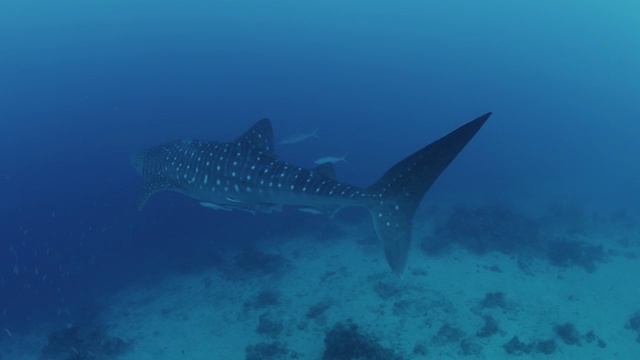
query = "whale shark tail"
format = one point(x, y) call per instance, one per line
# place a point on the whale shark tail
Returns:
point(400, 190)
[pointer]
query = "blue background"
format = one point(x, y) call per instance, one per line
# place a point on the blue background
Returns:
point(83, 84)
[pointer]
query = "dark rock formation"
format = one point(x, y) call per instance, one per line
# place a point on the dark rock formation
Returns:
point(517, 347)
point(489, 328)
point(318, 309)
point(264, 299)
point(487, 228)
point(386, 289)
point(447, 334)
point(470, 347)
point(494, 300)
point(634, 324)
point(345, 342)
point(568, 333)
point(566, 253)
point(267, 351)
point(546, 347)
point(269, 325)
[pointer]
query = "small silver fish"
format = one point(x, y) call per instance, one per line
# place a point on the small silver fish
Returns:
point(311, 211)
point(331, 159)
point(214, 206)
point(296, 138)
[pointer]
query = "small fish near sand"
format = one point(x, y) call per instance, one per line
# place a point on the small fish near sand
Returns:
point(332, 159)
point(297, 138)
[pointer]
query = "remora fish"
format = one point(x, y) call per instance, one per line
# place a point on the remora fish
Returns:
point(296, 138)
point(247, 174)
point(331, 159)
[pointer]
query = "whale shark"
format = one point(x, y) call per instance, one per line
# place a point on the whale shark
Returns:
point(247, 174)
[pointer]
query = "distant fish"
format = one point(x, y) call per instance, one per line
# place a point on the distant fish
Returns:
point(296, 138)
point(214, 206)
point(331, 159)
point(309, 210)
point(227, 207)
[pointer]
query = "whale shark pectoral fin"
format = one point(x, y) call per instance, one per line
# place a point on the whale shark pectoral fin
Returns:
point(159, 183)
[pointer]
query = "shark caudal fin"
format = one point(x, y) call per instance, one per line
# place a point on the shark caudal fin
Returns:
point(402, 187)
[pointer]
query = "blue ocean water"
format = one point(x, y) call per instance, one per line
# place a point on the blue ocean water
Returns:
point(84, 84)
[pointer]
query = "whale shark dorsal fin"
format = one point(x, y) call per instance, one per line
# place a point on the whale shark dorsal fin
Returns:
point(259, 138)
point(326, 169)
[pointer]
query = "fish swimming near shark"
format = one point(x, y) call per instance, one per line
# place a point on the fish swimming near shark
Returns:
point(246, 174)
point(296, 138)
point(331, 159)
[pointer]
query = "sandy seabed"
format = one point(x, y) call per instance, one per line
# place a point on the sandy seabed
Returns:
point(439, 309)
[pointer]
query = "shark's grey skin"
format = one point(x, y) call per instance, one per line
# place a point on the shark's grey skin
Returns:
point(246, 174)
